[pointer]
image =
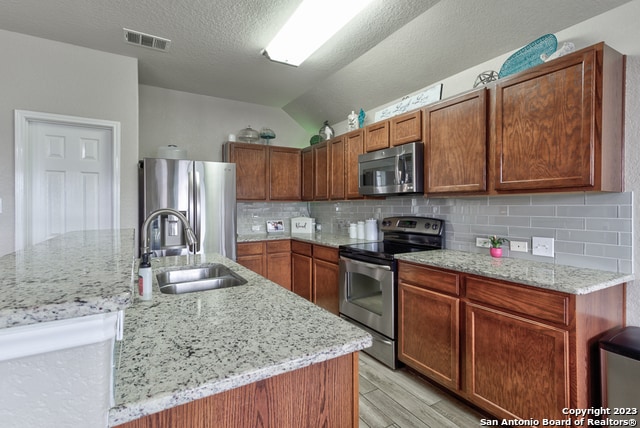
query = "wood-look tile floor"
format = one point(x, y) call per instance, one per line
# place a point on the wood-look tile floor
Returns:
point(400, 398)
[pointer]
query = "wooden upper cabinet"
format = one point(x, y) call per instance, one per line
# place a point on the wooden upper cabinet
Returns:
point(266, 173)
point(354, 146)
point(376, 136)
point(456, 144)
point(321, 171)
point(285, 174)
point(405, 128)
point(558, 126)
point(307, 174)
point(251, 170)
point(336, 168)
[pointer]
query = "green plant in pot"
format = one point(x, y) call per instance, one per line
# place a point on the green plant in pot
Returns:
point(496, 245)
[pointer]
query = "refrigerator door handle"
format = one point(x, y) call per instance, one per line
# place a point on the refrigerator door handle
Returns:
point(194, 206)
point(198, 220)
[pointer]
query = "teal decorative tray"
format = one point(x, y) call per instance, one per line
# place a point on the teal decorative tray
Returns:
point(529, 56)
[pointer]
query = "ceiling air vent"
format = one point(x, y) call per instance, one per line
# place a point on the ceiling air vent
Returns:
point(146, 40)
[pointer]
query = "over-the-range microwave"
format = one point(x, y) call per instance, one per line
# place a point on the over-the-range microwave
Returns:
point(394, 171)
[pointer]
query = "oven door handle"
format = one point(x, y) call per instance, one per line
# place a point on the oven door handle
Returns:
point(368, 265)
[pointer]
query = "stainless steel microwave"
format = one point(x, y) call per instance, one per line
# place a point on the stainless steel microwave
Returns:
point(394, 171)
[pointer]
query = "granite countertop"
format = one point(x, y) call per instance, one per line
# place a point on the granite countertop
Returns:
point(327, 239)
point(566, 279)
point(72, 275)
point(179, 348)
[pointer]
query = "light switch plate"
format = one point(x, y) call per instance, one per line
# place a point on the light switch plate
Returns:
point(542, 247)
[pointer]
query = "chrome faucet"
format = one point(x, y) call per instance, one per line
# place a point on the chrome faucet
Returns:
point(144, 231)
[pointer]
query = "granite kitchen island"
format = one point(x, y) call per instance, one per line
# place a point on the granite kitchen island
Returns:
point(182, 352)
point(178, 351)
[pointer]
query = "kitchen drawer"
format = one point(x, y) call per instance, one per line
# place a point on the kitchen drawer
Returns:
point(426, 277)
point(540, 304)
point(250, 248)
point(303, 248)
point(328, 254)
point(283, 246)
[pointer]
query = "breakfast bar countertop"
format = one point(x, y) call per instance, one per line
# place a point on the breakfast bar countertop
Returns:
point(68, 276)
point(180, 348)
point(567, 279)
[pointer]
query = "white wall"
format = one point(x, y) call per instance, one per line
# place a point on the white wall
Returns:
point(202, 123)
point(46, 76)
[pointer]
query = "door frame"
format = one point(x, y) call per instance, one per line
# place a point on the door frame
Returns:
point(23, 119)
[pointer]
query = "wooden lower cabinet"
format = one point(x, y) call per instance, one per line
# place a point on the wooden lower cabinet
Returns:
point(430, 340)
point(251, 255)
point(271, 259)
point(325, 278)
point(315, 274)
point(279, 262)
point(321, 395)
point(515, 367)
point(302, 269)
point(513, 350)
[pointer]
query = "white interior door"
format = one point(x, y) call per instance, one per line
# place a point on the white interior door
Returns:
point(71, 179)
point(67, 176)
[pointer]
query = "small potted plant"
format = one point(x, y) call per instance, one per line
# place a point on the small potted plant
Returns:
point(496, 246)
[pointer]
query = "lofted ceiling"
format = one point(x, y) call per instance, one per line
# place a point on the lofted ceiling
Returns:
point(394, 48)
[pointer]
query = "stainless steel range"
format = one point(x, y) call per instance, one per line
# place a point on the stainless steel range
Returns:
point(369, 284)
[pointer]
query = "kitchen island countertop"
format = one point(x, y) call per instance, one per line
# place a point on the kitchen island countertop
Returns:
point(549, 276)
point(180, 348)
point(69, 276)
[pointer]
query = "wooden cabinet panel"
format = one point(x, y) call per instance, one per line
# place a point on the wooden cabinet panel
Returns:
point(558, 126)
point(279, 262)
point(252, 256)
point(376, 136)
point(322, 394)
point(328, 254)
point(307, 174)
point(354, 146)
point(544, 305)
point(303, 248)
point(285, 174)
point(516, 368)
point(435, 279)
point(279, 269)
point(270, 259)
point(301, 275)
point(325, 285)
point(252, 173)
point(321, 171)
point(336, 168)
point(405, 128)
point(456, 145)
point(429, 339)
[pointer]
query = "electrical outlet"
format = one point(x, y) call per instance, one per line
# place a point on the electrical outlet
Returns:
point(483, 242)
point(542, 247)
point(521, 246)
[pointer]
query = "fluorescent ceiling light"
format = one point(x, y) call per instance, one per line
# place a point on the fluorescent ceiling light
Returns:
point(310, 26)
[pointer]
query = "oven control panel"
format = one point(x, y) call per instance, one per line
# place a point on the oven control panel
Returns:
point(420, 225)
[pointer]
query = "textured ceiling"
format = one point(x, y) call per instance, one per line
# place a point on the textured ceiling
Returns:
point(394, 48)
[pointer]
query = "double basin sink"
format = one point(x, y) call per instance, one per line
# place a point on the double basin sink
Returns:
point(205, 277)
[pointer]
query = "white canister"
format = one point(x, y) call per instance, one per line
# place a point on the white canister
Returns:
point(353, 231)
point(371, 229)
point(360, 230)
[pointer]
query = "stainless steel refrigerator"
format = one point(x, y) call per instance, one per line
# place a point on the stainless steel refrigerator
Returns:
point(205, 192)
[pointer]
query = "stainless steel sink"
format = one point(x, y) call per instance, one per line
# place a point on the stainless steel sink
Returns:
point(205, 277)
